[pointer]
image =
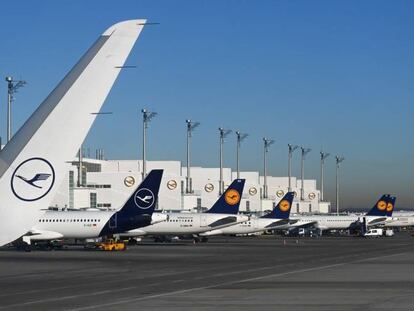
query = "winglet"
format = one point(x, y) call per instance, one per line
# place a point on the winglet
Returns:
point(54, 132)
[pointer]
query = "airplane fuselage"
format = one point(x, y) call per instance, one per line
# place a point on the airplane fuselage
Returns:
point(84, 224)
point(332, 222)
point(254, 225)
point(189, 223)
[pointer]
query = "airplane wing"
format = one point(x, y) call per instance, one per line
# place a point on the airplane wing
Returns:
point(223, 222)
point(41, 235)
point(377, 221)
point(133, 233)
point(311, 223)
point(54, 132)
point(278, 223)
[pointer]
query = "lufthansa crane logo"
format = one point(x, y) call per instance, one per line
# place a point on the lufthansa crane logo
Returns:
point(32, 179)
point(232, 197)
point(252, 191)
point(144, 198)
point(209, 187)
point(284, 205)
point(129, 181)
point(171, 184)
point(390, 207)
point(381, 205)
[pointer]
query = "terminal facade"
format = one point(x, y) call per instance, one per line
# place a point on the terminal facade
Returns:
point(106, 184)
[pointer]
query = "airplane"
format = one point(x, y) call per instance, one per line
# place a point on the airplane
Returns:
point(277, 218)
point(222, 214)
point(376, 216)
point(34, 162)
point(136, 212)
point(398, 220)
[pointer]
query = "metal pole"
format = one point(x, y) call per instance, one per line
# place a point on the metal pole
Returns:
point(221, 163)
point(291, 150)
point(265, 169)
point(323, 157)
point(146, 118)
point(191, 125)
point(80, 168)
point(12, 87)
point(188, 187)
point(338, 159)
point(223, 134)
point(240, 138)
point(144, 143)
point(267, 143)
point(9, 99)
point(302, 172)
point(337, 188)
point(237, 155)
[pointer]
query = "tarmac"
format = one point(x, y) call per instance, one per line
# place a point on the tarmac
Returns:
point(235, 273)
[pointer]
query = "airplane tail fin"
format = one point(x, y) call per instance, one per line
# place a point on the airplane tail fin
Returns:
point(391, 206)
point(282, 209)
point(379, 209)
point(144, 198)
point(55, 131)
point(229, 202)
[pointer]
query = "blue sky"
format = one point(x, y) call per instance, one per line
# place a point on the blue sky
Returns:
point(335, 75)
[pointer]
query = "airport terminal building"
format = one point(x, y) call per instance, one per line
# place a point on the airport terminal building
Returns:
point(106, 184)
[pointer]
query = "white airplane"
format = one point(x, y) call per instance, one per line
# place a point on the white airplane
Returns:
point(222, 214)
point(136, 212)
point(399, 219)
point(34, 162)
point(277, 218)
point(376, 216)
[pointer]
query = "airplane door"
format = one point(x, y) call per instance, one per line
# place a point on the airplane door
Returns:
point(203, 220)
point(113, 221)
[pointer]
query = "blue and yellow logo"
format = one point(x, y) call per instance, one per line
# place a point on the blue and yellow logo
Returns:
point(382, 205)
point(232, 197)
point(284, 205)
point(390, 207)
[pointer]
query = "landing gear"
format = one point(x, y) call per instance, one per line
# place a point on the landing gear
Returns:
point(197, 239)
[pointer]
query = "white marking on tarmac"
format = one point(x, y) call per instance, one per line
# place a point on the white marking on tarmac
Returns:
point(194, 289)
